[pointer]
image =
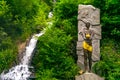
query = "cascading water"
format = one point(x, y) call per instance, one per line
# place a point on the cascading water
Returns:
point(29, 49)
point(21, 71)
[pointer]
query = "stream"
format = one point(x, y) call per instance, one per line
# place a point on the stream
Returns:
point(21, 71)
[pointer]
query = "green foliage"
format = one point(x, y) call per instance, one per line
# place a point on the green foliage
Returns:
point(65, 17)
point(65, 9)
point(8, 51)
point(2, 34)
point(7, 58)
point(108, 67)
point(110, 17)
point(50, 3)
point(3, 7)
point(20, 18)
point(17, 22)
point(6, 44)
point(53, 54)
point(23, 8)
point(41, 17)
point(46, 74)
point(86, 2)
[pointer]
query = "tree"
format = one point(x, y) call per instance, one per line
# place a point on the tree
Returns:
point(53, 54)
point(109, 17)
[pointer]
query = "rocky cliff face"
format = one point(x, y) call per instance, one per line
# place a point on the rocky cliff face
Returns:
point(21, 48)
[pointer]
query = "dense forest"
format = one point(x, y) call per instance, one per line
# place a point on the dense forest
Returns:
point(55, 55)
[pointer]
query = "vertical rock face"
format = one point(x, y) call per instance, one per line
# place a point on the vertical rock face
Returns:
point(88, 13)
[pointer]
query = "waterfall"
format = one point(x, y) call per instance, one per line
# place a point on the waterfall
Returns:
point(21, 71)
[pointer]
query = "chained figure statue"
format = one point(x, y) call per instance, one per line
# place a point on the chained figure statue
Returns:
point(87, 35)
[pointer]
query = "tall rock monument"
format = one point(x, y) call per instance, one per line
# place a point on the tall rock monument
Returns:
point(88, 13)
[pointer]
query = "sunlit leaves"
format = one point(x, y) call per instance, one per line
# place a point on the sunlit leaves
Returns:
point(3, 7)
point(53, 54)
point(6, 59)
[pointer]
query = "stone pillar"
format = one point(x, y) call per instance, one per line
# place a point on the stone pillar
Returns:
point(88, 13)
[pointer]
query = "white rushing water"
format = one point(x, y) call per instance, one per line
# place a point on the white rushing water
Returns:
point(21, 71)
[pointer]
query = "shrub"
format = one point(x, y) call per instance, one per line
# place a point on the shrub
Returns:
point(53, 54)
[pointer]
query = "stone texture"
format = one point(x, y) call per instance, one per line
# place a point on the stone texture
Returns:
point(88, 76)
point(96, 50)
point(88, 13)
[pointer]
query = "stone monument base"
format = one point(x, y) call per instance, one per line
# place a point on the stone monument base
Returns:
point(88, 76)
